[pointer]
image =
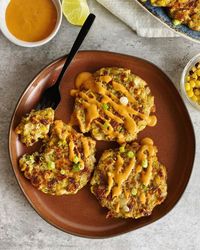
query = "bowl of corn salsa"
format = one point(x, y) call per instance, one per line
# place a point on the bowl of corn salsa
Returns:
point(190, 82)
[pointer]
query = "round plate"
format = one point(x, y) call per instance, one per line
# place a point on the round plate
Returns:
point(81, 214)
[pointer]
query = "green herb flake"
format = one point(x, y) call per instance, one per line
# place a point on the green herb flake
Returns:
point(51, 165)
point(134, 191)
point(62, 171)
point(145, 163)
point(120, 129)
point(130, 154)
point(105, 126)
point(176, 22)
point(145, 187)
point(76, 159)
point(30, 158)
point(122, 149)
point(105, 106)
point(155, 163)
point(76, 167)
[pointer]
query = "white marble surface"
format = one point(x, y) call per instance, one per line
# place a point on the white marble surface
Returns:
point(20, 226)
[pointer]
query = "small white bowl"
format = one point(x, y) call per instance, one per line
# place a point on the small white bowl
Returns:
point(13, 39)
point(186, 70)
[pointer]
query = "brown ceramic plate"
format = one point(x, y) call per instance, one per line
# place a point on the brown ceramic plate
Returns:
point(81, 214)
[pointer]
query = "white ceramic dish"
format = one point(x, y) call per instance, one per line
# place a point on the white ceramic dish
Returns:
point(186, 70)
point(13, 39)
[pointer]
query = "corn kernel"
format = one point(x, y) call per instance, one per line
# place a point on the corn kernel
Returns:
point(194, 98)
point(187, 86)
point(192, 84)
point(188, 78)
point(194, 76)
point(197, 92)
point(193, 69)
point(190, 93)
point(198, 72)
point(197, 83)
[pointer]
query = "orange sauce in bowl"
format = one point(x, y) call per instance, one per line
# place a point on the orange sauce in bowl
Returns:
point(31, 20)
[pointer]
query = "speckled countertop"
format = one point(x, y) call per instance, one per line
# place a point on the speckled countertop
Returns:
point(20, 226)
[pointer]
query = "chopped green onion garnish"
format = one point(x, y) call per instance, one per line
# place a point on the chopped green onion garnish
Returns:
point(122, 149)
point(76, 167)
point(105, 106)
point(130, 154)
point(62, 143)
point(51, 165)
point(176, 22)
point(76, 159)
point(45, 190)
point(154, 163)
point(134, 191)
point(145, 163)
point(62, 171)
point(120, 129)
point(30, 158)
point(105, 125)
point(145, 187)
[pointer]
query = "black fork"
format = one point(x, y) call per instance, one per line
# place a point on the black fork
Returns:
point(51, 96)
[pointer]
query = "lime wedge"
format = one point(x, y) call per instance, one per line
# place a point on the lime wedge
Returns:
point(76, 11)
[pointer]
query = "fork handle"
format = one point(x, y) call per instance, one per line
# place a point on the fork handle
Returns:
point(80, 38)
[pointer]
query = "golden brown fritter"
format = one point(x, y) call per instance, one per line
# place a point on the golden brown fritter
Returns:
point(130, 181)
point(64, 163)
point(187, 13)
point(194, 23)
point(182, 11)
point(113, 104)
point(162, 3)
point(35, 126)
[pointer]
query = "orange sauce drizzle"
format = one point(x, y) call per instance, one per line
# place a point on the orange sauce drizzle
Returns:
point(64, 133)
point(120, 174)
point(90, 104)
point(86, 149)
point(147, 147)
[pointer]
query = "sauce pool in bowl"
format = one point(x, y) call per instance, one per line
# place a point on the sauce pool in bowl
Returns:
point(30, 23)
point(29, 20)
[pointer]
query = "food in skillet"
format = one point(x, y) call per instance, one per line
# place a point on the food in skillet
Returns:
point(182, 11)
point(130, 181)
point(113, 104)
point(35, 126)
point(64, 163)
